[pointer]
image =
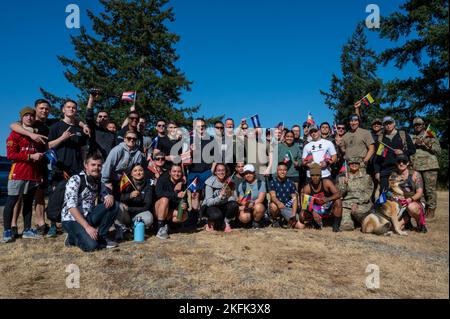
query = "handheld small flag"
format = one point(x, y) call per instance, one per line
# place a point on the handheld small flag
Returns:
point(344, 168)
point(255, 121)
point(334, 128)
point(368, 100)
point(129, 96)
point(327, 157)
point(186, 158)
point(51, 156)
point(309, 157)
point(382, 199)
point(194, 185)
point(289, 204)
point(382, 150)
point(310, 119)
point(307, 203)
point(155, 143)
point(431, 132)
point(247, 196)
point(124, 182)
point(288, 158)
point(280, 126)
point(152, 166)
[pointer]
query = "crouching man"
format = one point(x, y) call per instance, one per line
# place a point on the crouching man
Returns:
point(87, 225)
point(320, 199)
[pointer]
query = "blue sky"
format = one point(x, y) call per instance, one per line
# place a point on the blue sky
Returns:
point(244, 57)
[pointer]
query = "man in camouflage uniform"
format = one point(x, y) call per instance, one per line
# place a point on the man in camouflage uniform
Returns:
point(356, 188)
point(425, 161)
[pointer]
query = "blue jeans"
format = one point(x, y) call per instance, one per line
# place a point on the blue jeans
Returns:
point(100, 218)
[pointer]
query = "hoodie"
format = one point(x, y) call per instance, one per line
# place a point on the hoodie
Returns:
point(120, 160)
point(212, 193)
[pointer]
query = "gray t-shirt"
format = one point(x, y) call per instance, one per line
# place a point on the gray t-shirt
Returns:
point(253, 187)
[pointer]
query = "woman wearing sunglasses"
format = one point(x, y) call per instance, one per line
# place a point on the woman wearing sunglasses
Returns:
point(157, 167)
point(412, 186)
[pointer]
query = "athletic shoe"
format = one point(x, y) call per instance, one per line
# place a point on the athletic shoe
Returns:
point(53, 231)
point(67, 242)
point(111, 244)
point(209, 228)
point(276, 224)
point(8, 236)
point(15, 232)
point(422, 229)
point(256, 225)
point(163, 232)
point(31, 234)
point(42, 230)
point(228, 228)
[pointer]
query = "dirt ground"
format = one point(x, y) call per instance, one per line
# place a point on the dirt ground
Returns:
point(267, 263)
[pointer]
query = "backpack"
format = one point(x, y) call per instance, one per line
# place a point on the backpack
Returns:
point(56, 198)
point(402, 137)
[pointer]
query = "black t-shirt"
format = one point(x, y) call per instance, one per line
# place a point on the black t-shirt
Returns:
point(69, 152)
point(43, 128)
point(165, 145)
point(165, 188)
point(205, 164)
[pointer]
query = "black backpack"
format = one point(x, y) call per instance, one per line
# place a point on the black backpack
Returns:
point(56, 198)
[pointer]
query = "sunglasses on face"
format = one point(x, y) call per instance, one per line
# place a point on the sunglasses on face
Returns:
point(160, 159)
point(161, 125)
point(402, 163)
point(219, 127)
point(131, 139)
point(102, 116)
point(341, 128)
point(134, 118)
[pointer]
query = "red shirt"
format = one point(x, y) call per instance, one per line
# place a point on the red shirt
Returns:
point(18, 148)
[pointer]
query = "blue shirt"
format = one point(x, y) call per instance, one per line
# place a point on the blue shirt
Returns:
point(283, 190)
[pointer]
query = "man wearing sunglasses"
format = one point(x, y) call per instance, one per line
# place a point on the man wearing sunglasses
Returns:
point(396, 143)
point(425, 162)
point(132, 126)
point(101, 138)
point(169, 143)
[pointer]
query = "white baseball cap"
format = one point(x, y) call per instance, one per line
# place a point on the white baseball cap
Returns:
point(249, 168)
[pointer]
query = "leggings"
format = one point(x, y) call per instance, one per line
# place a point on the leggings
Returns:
point(218, 213)
point(27, 210)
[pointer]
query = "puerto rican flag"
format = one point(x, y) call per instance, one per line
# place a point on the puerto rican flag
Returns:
point(129, 96)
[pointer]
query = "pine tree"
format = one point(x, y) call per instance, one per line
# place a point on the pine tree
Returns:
point(423, 30)
point(358, 68)
point(131, 50)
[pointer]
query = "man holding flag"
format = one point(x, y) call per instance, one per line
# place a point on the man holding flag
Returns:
point(425, 161)
point(392, 143)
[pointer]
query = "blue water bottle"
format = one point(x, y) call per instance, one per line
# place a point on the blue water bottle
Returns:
point(139, 229)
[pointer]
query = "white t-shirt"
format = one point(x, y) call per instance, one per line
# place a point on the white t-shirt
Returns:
point(318, 149)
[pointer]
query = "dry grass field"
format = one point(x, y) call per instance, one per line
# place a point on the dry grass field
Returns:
point(267, 263)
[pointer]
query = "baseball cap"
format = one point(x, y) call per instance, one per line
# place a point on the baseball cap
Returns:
point(377, 120)
point(315, 169)
point(388, 119)
point(313, 128)
point(27, 110)
point(418, 120)
point(354, 117)
point(401, 157)
point(355, 159)
point(249, 168)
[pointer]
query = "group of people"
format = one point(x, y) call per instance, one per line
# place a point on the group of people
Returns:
point(100, 175)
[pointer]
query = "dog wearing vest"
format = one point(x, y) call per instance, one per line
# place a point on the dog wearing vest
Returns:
point(384, 219)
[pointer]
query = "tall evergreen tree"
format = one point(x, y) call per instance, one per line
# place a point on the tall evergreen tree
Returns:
point(358, 68)
point(131, 50)
point(423, 29)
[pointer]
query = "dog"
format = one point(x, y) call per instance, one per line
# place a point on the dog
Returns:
point(384, 219)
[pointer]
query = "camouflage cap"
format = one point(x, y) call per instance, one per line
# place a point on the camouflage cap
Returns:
point(355, 159)
point(418, 120)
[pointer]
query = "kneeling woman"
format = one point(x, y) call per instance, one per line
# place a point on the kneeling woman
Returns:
point(220, 199)
point(136, 202)
point(412, 188)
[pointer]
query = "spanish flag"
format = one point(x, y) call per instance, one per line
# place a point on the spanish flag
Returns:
point(124, 182)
